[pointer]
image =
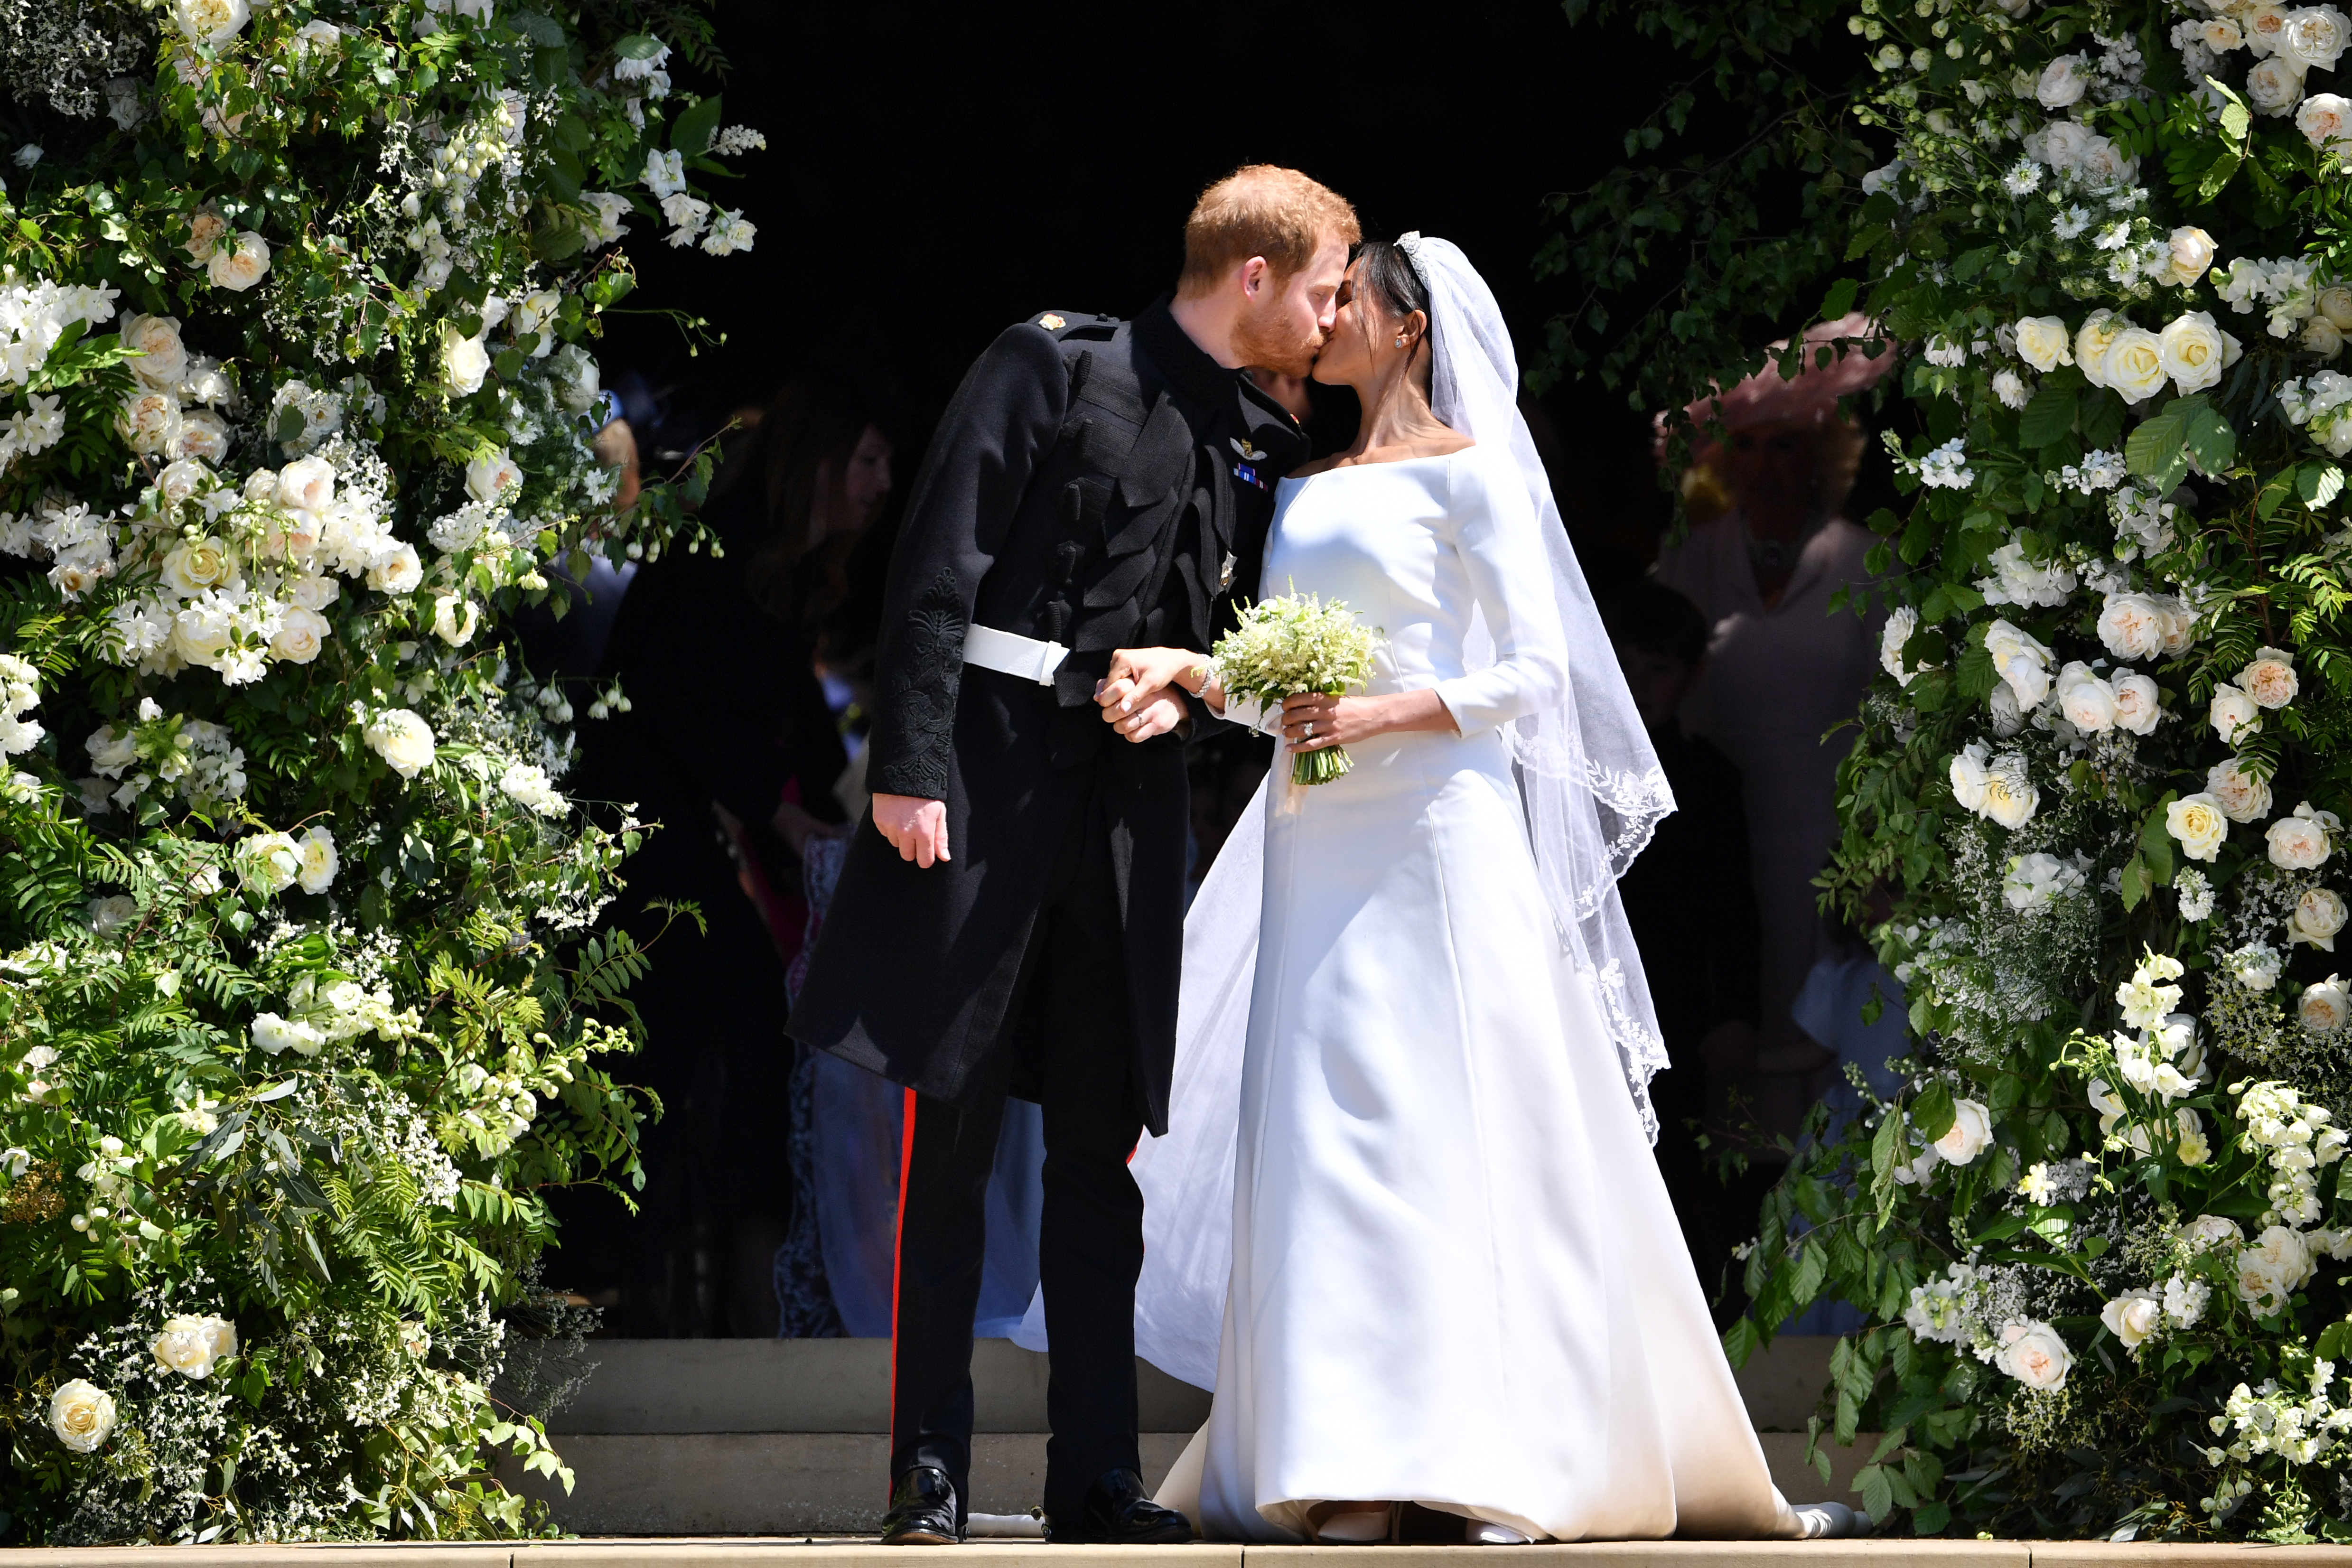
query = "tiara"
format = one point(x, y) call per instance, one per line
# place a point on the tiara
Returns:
point(1409, 242)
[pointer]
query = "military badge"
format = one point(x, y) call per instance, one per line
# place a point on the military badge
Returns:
point(1052, 322)
point(1248, 452)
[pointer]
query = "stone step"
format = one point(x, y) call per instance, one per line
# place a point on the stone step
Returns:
point(790, 1436)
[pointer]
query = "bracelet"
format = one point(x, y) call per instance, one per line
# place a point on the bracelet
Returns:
point(1204, 672)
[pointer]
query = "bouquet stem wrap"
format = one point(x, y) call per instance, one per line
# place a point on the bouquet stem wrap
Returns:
point(1291, 646)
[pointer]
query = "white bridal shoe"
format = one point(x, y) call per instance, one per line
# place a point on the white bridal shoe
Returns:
point(1358, 1526)
point(1828, 1520)
point(1481, 1532)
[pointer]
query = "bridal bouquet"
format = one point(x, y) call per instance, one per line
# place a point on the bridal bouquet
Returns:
point(1291, 645)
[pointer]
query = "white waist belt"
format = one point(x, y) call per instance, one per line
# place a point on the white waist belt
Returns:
point(1012, 654)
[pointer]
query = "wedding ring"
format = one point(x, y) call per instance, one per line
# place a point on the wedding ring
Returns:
point(1311, 731)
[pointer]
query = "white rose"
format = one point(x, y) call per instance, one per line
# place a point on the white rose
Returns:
point(1970, 1131)
point(202, 434)
point(2244, 794)
point(317, 847)
point(212, 22)
point(2063, 82)
point(2274, 1268)
point(2320, 337)
point(2138, 706)
point(268, 863)
point(238, 265)
point(81, 1414)
point(2297, 844)
point(2132, 627)
point(180, 480)
point(402, 739)
point(2191, 253)
point(205, 228)
point(2335, 301)
point(2180, 624)
point(2135, 364)
point(2318, 916)
point(2197, 821)
point(401, 573)
point(573, 373)
point(2092, 342)
point(186, 1346)
point(300, 634)
point(454, 618)
point(2023, 661)
point(2270, 680)
point(323, 36)
point(2314, 37)
point(307, 484)
point(157, 338)
point(2233, 714)
point(2034, 1355)
point(492, 475)
point(2010, 797)
point(2325, 121)
point(150, 422)
point(2207, 1231)
point(2192, 352)
point(2043, 342)
point(2324, 1006)
point(463, 363)
point(1968, 777)
point(2087, 701)
point(2133, 1317)
point(315, 591)
point(2274, 85)
point(261, 485)
point(2007, 719)
point(194, 565)
point(1900, 622)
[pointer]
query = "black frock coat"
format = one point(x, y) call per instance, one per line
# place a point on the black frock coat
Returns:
point(1098, 483)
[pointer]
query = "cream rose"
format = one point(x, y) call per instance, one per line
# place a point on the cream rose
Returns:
point(2335, 302)
point(2324, 1006)
point(2135, 365)
point(204, 434)
point(2270, 680)
point(194, 565)
point(2320, 337)
point(1970, 1131)
point(2297, 844)
point(2180, 624)
point(238, 265)
point(2134, 1317)
point(205, 228)
point(261, 485)
point(2043, 342)
point(156, 339)
point(454, 618)
point(2245, 796)
point(2035, 1355)
point(317, 848)
point(2317, 916)
point(82, 1415)
point(2220, 35)
point(401, 573)
point(181, 480)
point(2093, 342)
point(2274, 85)
point(315, 590)
point(2233, 714)
point(2132, 627)
point(186, 1346)
point(1968, 777)
point(402, 739)
point(2314, 37)
point(2087, 701)
point(2010, 796)
point(150, 422)
point(307, 484)
point(300, 634)
point(2325, 121)
point(2197, 822)
point(493, 474)
point(2138, 706)
point(2207, 1231)
point(2190, 253)
point(266, 863)
point(2192, 352)
point(2063, 82)
point(212, 22)
point(2021, 660)
point(2264, 24)
point(2276, 1266)
point(465, 363)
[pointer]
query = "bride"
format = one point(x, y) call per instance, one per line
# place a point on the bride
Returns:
point(1417, 1038)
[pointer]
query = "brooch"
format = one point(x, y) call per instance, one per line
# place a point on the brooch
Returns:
point(1241, 444)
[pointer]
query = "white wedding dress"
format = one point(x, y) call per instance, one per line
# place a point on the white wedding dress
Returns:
point(1456, 1276)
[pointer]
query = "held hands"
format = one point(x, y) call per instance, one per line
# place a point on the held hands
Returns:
point(916, 828)
point(1143, 694)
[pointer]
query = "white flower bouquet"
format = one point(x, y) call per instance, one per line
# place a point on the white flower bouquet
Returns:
point(1292, 645)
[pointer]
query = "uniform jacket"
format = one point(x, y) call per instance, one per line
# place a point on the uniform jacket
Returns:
point(1100, 484)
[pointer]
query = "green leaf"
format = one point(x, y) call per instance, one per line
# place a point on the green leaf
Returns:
point(2334, 1340)
point(2135, 886)
point(1838, 300)
point(637, 46)
point(2211, 440)
point(697, 128)
point(2318, 484)
point(1933, 1114)
point(540, 29)
point(1877, 1491)
point(2050, 415)
point(2157, 450)
point(2275, 489)
point(2218, 174)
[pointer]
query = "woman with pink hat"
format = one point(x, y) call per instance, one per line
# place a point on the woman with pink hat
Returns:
point(1781, 669)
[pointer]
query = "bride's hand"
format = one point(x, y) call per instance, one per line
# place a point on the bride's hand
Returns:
point(1136, 674)
point(1312, 721)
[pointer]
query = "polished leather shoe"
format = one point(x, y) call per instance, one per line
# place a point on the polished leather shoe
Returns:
point(1120, 1512)
point(922, 1511)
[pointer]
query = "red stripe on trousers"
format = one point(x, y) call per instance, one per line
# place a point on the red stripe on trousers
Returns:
point(898, 1255)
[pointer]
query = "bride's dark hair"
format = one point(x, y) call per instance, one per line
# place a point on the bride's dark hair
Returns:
point(1388, 274)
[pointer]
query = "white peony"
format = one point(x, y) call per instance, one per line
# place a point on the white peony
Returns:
point(81, 1414)
point(2193, 352)
point(2233, 714)
point(2320, 336)
point(2043, 342)
point(2325, 1006)
point(2087, 701)
point(2199, 822)
point(213, 22)
point(2139, 705)
point(2135, 364)
point(2275, 1266)
point(2133, 1317)
point(2335, 301)
point(317, 848)
point(202, 434)
point(2245, 796)
point(149, 421)
point(2270, 678)
point(2034, 1355)
point(2064, 81)
point(238, 264)
point(1970, 1131)
point(2317, 916)
point(402, 739)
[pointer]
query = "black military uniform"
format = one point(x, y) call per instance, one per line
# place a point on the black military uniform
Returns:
point(1098, 484)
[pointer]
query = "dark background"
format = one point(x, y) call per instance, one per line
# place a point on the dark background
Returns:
point(935, 172)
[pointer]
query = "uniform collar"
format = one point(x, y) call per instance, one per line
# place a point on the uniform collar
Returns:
point(1190, 371)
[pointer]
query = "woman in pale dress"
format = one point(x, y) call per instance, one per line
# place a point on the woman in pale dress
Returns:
point(1413, 1065)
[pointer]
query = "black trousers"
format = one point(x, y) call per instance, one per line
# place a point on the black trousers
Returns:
point(1077, 1033)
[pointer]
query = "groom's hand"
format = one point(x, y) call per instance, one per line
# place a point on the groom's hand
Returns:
point(1154, 715)
point(916, 828)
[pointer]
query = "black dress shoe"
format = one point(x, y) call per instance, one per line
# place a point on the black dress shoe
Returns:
point(1119, 1513)
point(922, 1511)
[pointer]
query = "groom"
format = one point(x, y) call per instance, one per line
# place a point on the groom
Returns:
point(1010, 917)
